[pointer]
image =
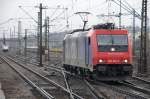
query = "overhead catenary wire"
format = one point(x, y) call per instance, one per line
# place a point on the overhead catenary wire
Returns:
point(123, 7)
point(57, 16)
point(53, 13)
point(28, 14)
point(131, 7)
point(130, 10)
point(128, 4)
point(6, 21)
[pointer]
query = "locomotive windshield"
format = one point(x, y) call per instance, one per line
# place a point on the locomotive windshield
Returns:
point(108, 43)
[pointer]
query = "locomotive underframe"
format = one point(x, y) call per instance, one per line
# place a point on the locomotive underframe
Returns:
point(103, 72)
point(5, 50)
point(113, 69)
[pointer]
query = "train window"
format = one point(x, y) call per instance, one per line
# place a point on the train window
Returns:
point(104, 39)
point(120, 39)
point(116, 42)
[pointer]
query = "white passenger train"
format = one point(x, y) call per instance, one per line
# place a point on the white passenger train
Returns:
point(5, 48)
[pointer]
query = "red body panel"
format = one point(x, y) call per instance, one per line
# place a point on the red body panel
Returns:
point(109, 57)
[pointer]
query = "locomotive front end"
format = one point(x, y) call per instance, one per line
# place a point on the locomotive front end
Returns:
point(112, 54)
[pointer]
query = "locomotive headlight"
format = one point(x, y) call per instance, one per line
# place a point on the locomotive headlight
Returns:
point(126, 61)
point(100, 61)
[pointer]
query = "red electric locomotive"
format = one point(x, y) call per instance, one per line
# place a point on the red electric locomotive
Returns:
point(103, 52)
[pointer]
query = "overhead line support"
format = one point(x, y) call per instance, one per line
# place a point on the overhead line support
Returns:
point(142, 68)
point(40, 28)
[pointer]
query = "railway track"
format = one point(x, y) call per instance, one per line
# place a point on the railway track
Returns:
point(95, 93)
point(98, 94)
point(141, 79)
point(15, 66)
point(30, 82)
point(51, 67)
point(127, 88)
point(129, 92)
point(136, 89)
point(138, 84)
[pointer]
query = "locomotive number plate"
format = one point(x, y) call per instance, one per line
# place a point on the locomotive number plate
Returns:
point(113, 61)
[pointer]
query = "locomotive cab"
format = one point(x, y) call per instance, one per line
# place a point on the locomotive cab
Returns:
point(112, 53)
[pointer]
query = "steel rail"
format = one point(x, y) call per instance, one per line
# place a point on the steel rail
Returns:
point(135, 87)
point(58, 69)
point(120, 90)
point(141, 79)
point(67, 85)
point(47, 79)
point(95, 92)
point(33, 85)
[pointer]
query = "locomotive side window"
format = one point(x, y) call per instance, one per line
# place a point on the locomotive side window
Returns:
point(108, 43)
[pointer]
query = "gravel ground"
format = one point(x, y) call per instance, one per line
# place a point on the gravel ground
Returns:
point(13, 85)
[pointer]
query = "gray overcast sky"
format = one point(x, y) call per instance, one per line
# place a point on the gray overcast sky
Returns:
point(9, 9)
